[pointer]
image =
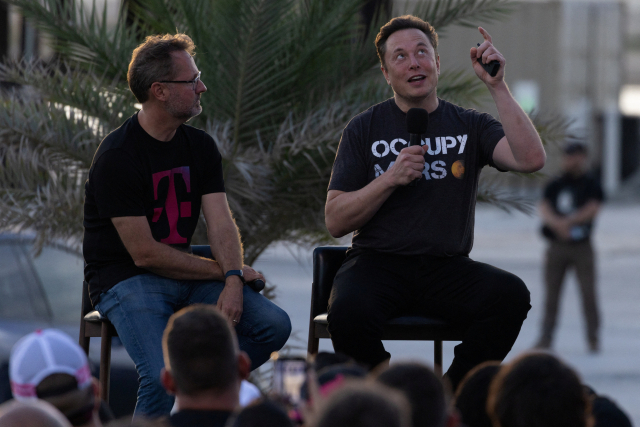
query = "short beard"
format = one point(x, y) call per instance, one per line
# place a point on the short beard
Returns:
point(182, 114)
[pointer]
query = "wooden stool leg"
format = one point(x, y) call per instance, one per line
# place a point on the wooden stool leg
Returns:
point(312, 348)
point(437, 358)
point(105, 362)
point(84, 341)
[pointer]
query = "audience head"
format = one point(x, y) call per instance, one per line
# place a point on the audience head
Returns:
point(575, 158)
point(49, 365)
point(201, 353)
point(422, 388)
point(606, 413)
point(537, 390)
point(364, 404)
point(263, 413)
point(471, 396)
point(36, 413)
point(324, 359)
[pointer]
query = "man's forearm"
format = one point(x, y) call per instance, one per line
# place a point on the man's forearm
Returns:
point(226, 246)
point(169, 262)
point(524, 141)
point(586, 213)
point(349, 211)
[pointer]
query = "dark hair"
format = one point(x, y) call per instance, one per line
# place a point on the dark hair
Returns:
point(264, 413)
point(364, 404)
point(471, 396)
point(151, 61)
point(423, 389)
point(200, 350)
point(325, 359)
point(402, 23)
point(537, 390)
point(61, 390)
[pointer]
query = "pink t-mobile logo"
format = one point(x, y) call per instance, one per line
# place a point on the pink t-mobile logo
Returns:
point(171, 203)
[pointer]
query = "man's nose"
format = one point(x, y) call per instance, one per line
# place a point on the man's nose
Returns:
point(414, 61)
point(201, 87)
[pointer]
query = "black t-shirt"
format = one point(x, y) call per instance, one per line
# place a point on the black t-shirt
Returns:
point(436, 217)
point(194, 418)
point(567, 194)
point(133, 174)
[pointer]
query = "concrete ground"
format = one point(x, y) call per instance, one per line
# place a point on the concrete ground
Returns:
point(512, 242)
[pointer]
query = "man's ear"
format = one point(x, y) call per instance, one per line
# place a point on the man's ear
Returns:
point(168, 382)
point(386, 75)
point(244, 365)
point(438, 63)
point(158, 91)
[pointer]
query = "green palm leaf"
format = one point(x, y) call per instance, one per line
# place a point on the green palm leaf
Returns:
point(283, 77)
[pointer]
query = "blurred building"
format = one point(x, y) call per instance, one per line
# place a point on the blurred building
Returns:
point(19, 39)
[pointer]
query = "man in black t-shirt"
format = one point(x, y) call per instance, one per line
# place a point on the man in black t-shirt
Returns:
point(410, 245)
point(570, 204)
point(147, 184)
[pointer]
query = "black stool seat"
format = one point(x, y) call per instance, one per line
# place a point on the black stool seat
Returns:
point(326, 262)
point(405, 321)
point(405, 328)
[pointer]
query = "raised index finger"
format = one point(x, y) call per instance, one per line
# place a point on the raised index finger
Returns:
point(486, 35)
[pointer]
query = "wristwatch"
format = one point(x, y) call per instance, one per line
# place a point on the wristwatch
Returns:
point(234, 273)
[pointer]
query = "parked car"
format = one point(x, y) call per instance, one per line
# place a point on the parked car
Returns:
point(45, 291)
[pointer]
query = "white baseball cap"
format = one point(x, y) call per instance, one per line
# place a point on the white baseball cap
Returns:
point(42, 353)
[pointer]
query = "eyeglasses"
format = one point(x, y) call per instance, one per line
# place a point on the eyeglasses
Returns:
point(193, 82)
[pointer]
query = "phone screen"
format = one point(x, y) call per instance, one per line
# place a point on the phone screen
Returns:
point(288, 377)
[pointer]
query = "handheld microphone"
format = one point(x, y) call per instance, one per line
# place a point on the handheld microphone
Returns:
point(257, 285)
point(417, 123)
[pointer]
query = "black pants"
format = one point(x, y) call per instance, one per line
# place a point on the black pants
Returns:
point(370, 288)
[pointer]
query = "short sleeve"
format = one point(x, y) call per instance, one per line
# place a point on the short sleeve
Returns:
point(211, 167)
point(349, 171)
point(117, 185)
point(594, 190)
point(490, 132)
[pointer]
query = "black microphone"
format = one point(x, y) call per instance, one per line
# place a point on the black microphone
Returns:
point(257, 285)
point(417, 123)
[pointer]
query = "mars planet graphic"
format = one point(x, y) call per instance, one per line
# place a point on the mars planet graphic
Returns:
point(457, 169)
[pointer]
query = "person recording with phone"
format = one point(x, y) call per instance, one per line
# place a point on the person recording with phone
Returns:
point(410, 249)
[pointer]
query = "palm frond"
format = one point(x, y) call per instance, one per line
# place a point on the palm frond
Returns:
point(462, 88)
point(40, 195)
point(553, 128)
point(82, 34)
point(496, 195)
point(466, 13)
point(284, 77)
point(103, 101)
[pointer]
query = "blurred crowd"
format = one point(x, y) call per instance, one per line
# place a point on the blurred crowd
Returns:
point(206, 373)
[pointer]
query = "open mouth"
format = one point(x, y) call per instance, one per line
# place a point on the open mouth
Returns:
point(416, 78)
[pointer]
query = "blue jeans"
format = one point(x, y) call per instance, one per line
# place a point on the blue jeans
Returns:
point(140, 307)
